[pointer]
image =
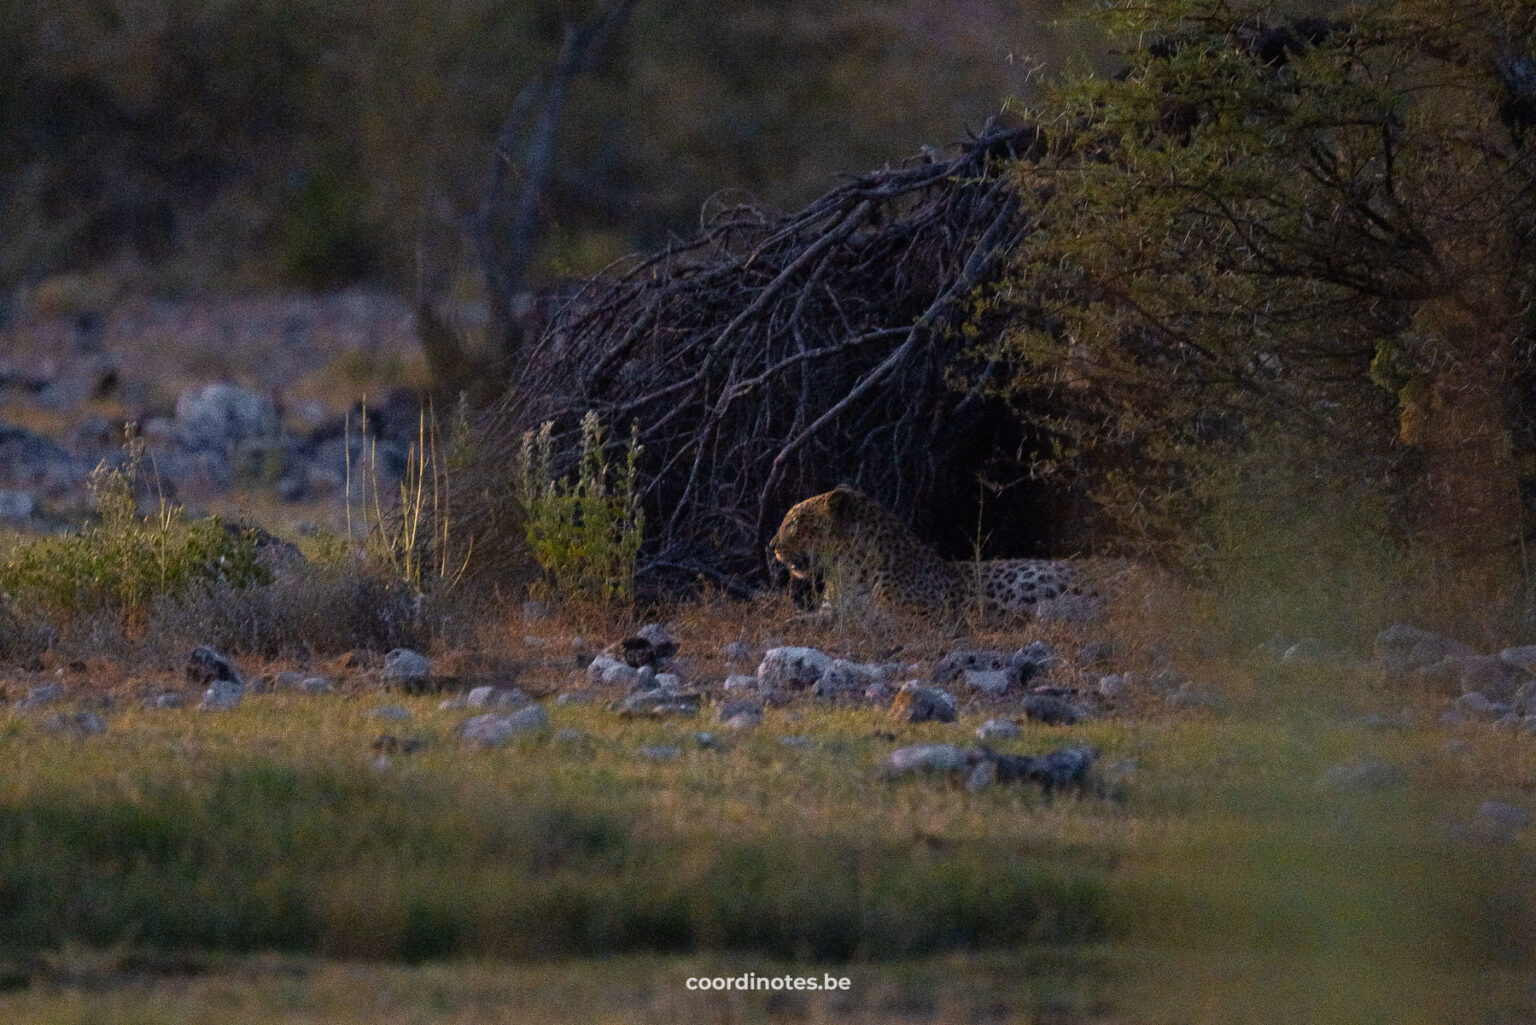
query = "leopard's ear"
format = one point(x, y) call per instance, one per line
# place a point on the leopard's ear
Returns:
point(841, 500)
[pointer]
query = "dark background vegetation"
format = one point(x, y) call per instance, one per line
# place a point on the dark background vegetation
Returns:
point(321, 143)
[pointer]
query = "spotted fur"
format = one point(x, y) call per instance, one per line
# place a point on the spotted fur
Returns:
point(854, 544)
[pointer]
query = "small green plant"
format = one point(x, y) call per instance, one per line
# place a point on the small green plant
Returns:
point(584, 533)
point(119, 565)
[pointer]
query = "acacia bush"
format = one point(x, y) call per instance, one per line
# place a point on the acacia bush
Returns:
point(1299, 253)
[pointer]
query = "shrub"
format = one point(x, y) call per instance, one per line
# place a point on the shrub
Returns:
point(585, 533)
point(125, 561)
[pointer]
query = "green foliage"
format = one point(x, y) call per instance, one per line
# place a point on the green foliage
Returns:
point(1255, 235)
point(584, 531)
point(120, 565)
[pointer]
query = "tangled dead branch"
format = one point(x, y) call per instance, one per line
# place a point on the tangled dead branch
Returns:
point(769, 358)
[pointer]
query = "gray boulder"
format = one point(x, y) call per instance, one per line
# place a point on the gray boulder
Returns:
point(1401, 648)
point(222, 696)
point(496, 728)
point(927, 758)
point(917, 702)
point(218, 416)
point(792, 668)
point(1050, 710)
point(409, 670)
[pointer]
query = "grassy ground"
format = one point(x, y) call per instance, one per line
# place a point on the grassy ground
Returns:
point(256, 864)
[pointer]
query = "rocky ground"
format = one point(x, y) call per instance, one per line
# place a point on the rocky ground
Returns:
point(259, 397)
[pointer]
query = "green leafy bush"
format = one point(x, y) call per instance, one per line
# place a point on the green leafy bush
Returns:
point(585, 533)
point(119, 565)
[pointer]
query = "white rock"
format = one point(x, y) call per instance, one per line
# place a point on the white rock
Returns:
point(792, 668)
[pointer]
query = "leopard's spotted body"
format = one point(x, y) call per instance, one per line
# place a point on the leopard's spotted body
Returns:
point(856, 545)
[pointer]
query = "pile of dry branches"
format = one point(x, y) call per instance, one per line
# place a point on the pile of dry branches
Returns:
point(770, 358)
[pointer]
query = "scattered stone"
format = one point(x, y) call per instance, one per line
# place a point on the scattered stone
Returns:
point(743, 721)
point(611, 672)
point(661, 752)
point(204, 666)
point(75, 724)
point(495, 697)
point(317, 685)
point(728, 710)
point(167, 699)
point(792, 668)
point(917, 702)
point(222, 695)
point(706, 740)
point(667, 682)
point(736, 651)
point(799, 743)
point(1051, 710)
point(1401, 648)
point(574, 697)
point(1034, 659)
point(216, 416)
point(658, 704)
point(1370, 773)
point(989, 681)
point(928, 758)
point(39, 696)
point(391, 713)
point(1065, 767)
point(879, 693)
point(536, 612)
point(661, 642)
point(454, 704)
point(1307, 651)
point(1475, 704)
point(287, 680)
point(844, 678)
point(1489, 674)
point(956, 664)
point(999, 729)
point(409, 670)
point(496, 728)
point(569, 736)
point(740, 681)
point(381, 764)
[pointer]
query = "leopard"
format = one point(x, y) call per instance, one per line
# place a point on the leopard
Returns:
point(864, 553)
